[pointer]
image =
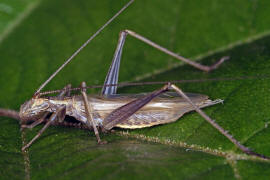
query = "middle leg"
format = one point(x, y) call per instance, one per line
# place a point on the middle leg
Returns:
point(88, 111)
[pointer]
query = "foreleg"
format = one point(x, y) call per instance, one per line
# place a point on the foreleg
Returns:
point(60, 114)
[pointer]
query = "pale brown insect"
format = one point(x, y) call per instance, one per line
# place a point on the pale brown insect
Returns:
point(110, 110)
point(166, 108)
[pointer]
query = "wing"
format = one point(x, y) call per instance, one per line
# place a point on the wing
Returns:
point(148, 118)
point(153, 114)
point(165, 108)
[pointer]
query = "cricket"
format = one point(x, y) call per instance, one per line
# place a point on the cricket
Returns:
point(108, 109)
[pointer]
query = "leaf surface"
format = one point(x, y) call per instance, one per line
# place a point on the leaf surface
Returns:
point(187, 149)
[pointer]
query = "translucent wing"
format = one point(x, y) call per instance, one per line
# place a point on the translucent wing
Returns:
point(165, 108)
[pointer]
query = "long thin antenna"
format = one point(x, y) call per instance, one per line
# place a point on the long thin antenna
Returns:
point(76, 52)
point(158, 82)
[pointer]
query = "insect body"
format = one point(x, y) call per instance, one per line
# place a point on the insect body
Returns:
point(165, 108)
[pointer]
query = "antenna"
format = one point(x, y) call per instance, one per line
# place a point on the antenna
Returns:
point(85, 44)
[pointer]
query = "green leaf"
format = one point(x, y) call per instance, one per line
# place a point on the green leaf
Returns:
point(50, 31)
point(12, 13)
